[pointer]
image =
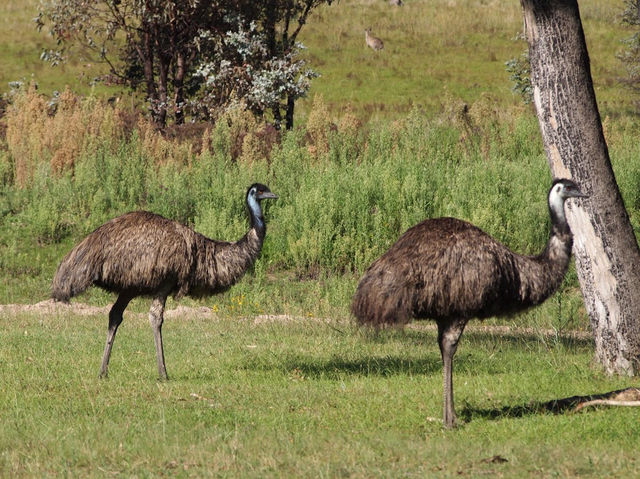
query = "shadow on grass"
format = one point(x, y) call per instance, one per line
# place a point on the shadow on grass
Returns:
point(337, 368)
point(425, 362)
point(554, 406)
point(421, 334)
point(371, 366)
point(517, 339)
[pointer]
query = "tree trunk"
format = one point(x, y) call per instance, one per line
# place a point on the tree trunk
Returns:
point(164, 63)
point(146, 54)
point(291, 104)
point(277, 117)
point(160, 108)
point(178, 87)
point(606, 251)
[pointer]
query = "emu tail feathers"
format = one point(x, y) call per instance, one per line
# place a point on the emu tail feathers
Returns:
point(379, 307)
point(74, 274)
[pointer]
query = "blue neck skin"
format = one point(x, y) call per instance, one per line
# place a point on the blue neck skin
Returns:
point(255, 210)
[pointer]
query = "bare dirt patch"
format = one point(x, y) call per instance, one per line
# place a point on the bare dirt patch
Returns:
point(203, 312)
point(51, 306)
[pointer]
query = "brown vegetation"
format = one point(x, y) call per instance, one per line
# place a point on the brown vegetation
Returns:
point(58, 133)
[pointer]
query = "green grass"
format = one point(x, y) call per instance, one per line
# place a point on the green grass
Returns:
point(315, 397)
point(21, 45)
point(433, 48)
point(296, 399)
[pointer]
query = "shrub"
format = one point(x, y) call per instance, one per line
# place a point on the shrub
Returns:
point(334, 216)
point(57, 131)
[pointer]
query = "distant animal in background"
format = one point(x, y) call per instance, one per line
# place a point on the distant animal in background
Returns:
point(396, 3)
point(144, 254)
point(450, 271)
point(373, 42)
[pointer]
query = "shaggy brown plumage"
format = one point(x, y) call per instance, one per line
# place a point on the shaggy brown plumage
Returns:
point(451, 271)
point(144, 254)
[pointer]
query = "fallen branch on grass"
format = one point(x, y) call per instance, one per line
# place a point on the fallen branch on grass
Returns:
point(628, 397)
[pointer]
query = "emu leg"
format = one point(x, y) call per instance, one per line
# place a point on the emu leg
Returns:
point(115, 318)
point(156, 317)
point(448, 336)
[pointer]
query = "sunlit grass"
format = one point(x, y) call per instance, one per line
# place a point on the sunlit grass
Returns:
point(432, 47)
point(295, 398)
point(435, 48)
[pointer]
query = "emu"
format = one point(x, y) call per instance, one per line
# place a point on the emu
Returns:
point(373, 42)
point(144, 254)
point(450, 271)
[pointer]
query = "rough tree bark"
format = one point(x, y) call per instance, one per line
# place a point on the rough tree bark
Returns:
point(606, 251)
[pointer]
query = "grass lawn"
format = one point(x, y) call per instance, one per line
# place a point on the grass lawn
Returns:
point(306, 397)
point(434, 49)
point(298, 398)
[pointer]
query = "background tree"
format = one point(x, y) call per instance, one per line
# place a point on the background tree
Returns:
point(606, 250)
point(176, 48)
point(143, 41)
point(282, 22)
point(258, 60)
point(240, 68)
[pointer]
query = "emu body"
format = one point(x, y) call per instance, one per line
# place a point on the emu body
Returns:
point(451, 271)
point(144, 254)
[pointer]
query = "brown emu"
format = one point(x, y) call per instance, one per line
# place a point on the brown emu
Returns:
point(144, 254)
point(450, 271)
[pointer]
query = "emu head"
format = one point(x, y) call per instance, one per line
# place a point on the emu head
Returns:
point(258, 192)
point(561, 190)
point(255, 194)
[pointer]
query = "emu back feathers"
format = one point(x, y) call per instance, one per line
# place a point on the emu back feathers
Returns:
point(143, 252)
point(445, 267)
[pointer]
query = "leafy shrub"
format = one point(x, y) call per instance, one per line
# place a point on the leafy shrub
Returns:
point(336, 213)
point(519, 70)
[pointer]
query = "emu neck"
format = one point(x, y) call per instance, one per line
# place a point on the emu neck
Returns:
point(255, 217)
point(250, 245)
point(559, 223)
point(541, 275)
point(557, 253)
point(220, 264)
point(558, 249)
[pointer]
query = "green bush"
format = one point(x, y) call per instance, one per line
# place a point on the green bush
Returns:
point(337, 211)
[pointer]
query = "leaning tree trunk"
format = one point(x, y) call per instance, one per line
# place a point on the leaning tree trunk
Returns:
point(606, 251)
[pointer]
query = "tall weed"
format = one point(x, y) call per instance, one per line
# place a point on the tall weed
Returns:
point(337, 211)
point(57, 131)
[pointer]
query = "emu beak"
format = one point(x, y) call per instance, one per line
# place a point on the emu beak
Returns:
point(264, 195)
point(578, 194)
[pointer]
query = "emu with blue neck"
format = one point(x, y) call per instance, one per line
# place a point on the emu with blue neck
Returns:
point(144, 254)
point(451, 271)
